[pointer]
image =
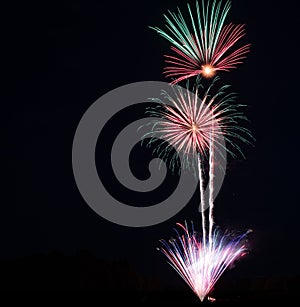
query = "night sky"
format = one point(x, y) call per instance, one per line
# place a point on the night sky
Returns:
point(63, 56)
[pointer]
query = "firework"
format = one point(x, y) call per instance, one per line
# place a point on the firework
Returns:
point(203, 45)
point(199, 264)
point(197, 127)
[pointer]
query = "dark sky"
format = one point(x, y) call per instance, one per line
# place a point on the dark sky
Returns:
point(62, 56)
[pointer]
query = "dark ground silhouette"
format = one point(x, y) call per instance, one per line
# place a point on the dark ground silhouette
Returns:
point(118, 281)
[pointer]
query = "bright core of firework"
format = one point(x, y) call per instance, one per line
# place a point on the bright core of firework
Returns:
point(195, 128)
point(208, 71)
point(201, 265)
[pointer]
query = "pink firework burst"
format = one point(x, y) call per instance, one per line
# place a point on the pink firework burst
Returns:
point(203, 46)
point(193, 125)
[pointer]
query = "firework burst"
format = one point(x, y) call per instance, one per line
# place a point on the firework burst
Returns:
point(200, 265)
point(202, 44)
point(193, 125)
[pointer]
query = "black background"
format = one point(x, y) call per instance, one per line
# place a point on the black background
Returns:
point(59, 57)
